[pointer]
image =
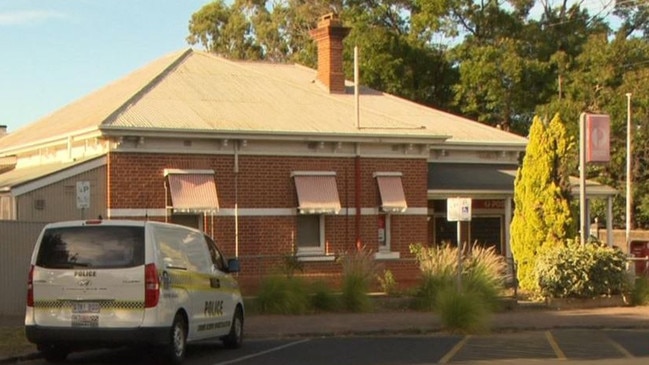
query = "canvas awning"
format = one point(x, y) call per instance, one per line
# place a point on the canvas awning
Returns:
point(192, 191)
point(317, 192)
point(393, 198)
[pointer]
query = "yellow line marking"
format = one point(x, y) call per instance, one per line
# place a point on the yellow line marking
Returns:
point(555, 346)
point(619, 347)
point(458, 346)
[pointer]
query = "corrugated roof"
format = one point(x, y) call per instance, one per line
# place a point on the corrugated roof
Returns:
point(198, 91)
point(17, 177)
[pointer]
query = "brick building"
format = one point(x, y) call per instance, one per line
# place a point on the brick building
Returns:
point(272, 160)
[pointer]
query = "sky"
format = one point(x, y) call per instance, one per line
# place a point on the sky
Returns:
point(53, 52)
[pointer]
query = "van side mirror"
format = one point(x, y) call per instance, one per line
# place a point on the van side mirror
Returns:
point(233, 265)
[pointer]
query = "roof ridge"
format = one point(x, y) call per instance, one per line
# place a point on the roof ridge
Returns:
point(147, 86)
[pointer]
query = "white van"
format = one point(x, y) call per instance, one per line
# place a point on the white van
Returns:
point(105, 283)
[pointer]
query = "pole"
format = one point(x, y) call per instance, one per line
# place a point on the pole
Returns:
point(582, 178)
point(629, 192)
point(459, 256)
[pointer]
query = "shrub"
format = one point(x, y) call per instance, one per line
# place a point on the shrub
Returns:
point(483, 273)
point(640, 292)
point(322, 297)
point(462, 311)
point(581, 271)
point(388, 283)
point(282, 295)
point(358, 271)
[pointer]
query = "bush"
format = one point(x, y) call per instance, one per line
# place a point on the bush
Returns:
point(322, 297)
point(388, 283)
point(640, 292)
point(581, 271)
point(282, 295)
point(483, 273)
point(358, 271)
point(463, 311)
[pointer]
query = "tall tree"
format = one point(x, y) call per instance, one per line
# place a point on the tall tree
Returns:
point(542, 216)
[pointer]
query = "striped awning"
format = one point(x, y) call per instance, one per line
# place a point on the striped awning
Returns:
point(317, 193)
point(192, 191)
point(393, 198)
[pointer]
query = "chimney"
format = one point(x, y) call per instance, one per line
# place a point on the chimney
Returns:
point(3, 130)
point(329, 35)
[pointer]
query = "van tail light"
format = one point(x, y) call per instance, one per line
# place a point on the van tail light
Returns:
point(30, 287)
point(151, 286)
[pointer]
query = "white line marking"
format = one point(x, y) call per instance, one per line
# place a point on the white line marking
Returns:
point(262, 352)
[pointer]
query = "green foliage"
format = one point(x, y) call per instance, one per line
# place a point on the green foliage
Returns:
point(482, 274)
point(640, 292)
point(463, 311)
point(282, 295)
point(495, 62)
point(323, 298)
point(388, 283)
point(542, 215)
point(581, 271)
point(291, 265)
point(358, 272)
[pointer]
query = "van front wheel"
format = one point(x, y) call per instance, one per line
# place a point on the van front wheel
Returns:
point(234, 339)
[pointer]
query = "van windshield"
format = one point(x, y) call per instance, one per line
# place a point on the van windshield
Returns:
point(92, 247)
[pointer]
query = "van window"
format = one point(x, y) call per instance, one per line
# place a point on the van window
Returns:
point(92, 247)
point(183, 248)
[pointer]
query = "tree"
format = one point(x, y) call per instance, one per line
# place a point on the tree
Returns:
point(542, 216)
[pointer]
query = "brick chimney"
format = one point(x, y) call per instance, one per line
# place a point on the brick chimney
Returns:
point(329, 35)
point(3, 130)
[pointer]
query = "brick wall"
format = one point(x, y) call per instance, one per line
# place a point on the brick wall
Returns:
point(136, 181)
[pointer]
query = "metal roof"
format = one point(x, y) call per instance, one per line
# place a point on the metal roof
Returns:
point(199, 92)
point(493, 178)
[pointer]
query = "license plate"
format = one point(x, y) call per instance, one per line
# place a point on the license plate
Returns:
point(86, 307)
point(85, 320)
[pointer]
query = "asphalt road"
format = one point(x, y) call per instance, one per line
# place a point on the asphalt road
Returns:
point(566, 346)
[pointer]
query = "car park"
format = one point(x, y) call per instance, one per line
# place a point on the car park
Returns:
point(105, 283)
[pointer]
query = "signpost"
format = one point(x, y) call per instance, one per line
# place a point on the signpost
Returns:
point(458, 210)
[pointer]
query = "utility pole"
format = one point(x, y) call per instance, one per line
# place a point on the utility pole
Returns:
point(629, 192)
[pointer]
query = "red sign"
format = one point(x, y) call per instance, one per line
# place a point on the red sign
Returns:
point(598, 141)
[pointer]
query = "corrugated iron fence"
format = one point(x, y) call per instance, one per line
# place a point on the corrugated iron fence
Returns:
point(17, 241)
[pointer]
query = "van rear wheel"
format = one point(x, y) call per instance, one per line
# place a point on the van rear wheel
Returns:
point(54, 353)
point(174, 352)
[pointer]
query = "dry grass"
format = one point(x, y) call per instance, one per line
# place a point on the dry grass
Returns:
point(14, 343)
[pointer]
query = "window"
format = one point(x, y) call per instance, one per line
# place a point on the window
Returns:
point(310, 237)
point(393, 201)
point(317, 195)
point(92, 247)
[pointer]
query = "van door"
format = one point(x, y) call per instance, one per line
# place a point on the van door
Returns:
point(228, 289)
point(89, 275)
point(188, 265)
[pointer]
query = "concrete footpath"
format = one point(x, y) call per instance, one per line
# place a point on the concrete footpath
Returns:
point(413, 322)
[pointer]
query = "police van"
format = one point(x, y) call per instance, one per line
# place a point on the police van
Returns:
point(105, 283)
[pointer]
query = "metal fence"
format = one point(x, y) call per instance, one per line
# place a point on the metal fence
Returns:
point(17, 241)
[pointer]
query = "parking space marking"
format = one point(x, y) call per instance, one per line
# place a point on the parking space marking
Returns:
point(620, 348)
point(458, 346)
point(243, 358)
point(555, 346)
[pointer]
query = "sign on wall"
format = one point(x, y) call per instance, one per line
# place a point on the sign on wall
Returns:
point(83, 194)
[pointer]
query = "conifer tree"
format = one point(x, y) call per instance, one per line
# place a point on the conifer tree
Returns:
point(542, 216)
